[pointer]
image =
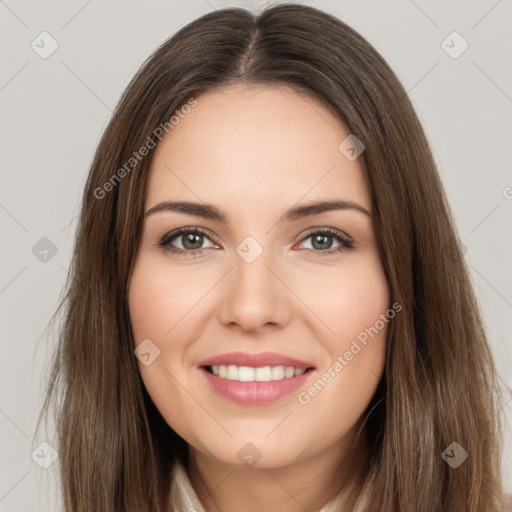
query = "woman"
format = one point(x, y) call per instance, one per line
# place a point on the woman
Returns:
point(267, 307)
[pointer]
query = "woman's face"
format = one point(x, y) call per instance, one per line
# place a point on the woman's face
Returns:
point(260, 286)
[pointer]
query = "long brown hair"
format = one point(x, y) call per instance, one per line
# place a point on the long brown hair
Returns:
point(439, 386)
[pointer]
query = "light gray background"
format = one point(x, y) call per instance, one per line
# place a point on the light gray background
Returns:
point(54, 111)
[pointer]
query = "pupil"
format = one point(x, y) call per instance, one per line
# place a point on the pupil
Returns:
point(319, 238)
point(190, 239)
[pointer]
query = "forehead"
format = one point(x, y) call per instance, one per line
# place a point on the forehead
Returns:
point(253, 147)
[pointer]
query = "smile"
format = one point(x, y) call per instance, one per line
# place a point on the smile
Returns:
point(255, 379)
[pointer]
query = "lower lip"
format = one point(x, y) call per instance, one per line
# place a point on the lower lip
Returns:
point(255, 393)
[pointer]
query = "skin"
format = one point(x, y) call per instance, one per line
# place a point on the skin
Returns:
point(254, 152)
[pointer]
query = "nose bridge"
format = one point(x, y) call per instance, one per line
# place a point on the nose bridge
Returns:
point(252, 279)
point(251, 272)
point(254, 296)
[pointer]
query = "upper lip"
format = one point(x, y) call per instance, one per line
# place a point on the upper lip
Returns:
point(255, 360)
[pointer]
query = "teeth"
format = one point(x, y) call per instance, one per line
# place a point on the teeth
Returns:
point(232, 372)
point(289, 372)
point(277, 372)
point(245, 374)
point(261, 374)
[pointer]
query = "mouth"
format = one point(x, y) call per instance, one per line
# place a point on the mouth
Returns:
point(255, 379)
point(255, 374)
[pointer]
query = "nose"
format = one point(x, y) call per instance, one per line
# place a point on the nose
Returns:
point(255, 294)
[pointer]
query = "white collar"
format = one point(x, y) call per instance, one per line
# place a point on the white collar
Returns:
point(185, 498)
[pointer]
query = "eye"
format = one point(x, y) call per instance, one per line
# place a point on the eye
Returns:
point(321, 239)
point(191, 240)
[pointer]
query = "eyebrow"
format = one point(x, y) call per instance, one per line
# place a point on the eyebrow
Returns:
point(209, 211)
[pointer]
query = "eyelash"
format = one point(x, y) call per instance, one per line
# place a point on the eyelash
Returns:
point(164, 243)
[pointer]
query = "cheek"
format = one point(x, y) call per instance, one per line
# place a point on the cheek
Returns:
point(350, 301)
point(160, 299)
point(357, 309)
point(357, 360)
point(158, 313)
